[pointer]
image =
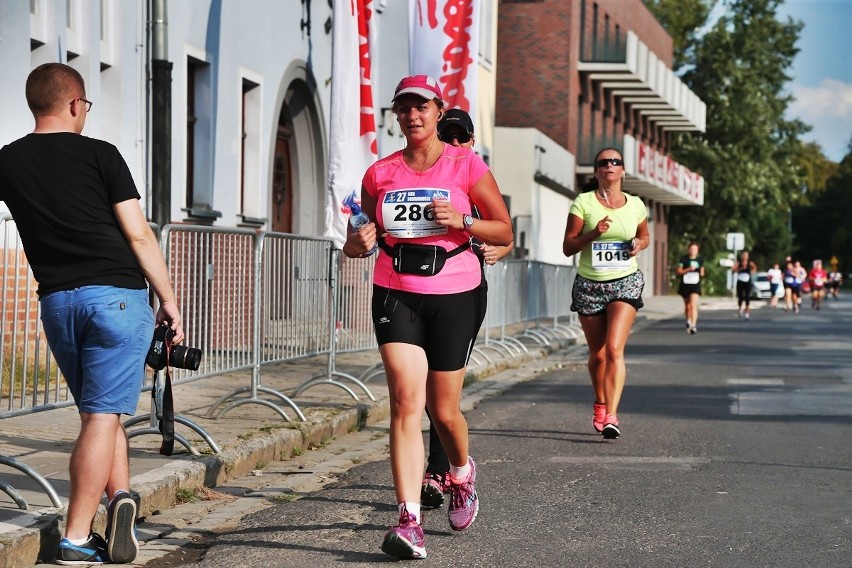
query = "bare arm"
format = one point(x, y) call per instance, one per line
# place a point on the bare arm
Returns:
point(357, 244)
point(575, 240)
point(144, 246)
point(642, 239)
point(495, 226)
point(494, 253)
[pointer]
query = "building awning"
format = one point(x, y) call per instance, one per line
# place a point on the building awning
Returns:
point(643, 83)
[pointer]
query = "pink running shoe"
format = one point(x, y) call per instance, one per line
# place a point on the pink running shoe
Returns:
point(464, 502)
point(610, 429)
point(406, 540)
point(432, 490)
point(598, 417)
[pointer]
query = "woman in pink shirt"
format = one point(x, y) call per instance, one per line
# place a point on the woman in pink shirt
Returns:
point(428, 302)
point(818, 278)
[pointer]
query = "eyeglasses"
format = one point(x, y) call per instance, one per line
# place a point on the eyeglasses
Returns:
point(609, 162)
point(448, 137)
point(88, 103)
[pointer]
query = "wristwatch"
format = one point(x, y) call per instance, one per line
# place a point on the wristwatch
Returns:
point(467, 221)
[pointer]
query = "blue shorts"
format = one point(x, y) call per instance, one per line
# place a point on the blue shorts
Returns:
point(99, 336)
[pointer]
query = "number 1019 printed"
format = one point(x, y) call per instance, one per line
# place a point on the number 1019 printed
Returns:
point(610, 255)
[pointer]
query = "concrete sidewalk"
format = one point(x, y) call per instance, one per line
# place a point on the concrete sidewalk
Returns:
point(250, 436)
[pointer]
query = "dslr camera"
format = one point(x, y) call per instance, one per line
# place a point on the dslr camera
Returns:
point(182, 357)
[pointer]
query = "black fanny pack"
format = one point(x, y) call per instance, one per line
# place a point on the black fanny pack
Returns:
point(422, 260)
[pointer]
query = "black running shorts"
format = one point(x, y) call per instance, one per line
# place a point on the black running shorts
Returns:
point(444, 325)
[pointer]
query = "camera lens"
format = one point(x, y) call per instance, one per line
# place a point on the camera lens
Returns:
point(186, 357)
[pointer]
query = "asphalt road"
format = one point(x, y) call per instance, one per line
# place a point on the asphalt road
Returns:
point(735, 452)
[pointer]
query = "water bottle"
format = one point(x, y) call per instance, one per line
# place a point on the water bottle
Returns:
point(358, 220)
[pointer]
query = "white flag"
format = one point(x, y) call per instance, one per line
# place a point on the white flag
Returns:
point(444, 43)
point(352, 143)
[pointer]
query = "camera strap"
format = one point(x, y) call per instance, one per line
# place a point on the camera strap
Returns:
point(167, 420)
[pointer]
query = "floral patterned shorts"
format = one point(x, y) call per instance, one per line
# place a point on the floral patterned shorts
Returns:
point(590, 297)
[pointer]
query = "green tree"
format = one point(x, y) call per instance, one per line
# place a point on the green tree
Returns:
point(821, 224)
point(682, 19)
point(751, 156)
point(816, 170)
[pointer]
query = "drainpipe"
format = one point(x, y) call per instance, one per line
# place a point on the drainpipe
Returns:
point(161, 116)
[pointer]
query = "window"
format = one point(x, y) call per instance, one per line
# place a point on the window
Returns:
point(107, 28)
point(74, 28)
point(38, 26)
point(250, 151)
point(199, 148)
point(487, 25)
point(190, 132)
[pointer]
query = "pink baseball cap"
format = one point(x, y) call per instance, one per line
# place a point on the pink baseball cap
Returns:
point(420, 85)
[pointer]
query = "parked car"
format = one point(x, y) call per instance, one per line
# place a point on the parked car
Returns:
point(760, 287)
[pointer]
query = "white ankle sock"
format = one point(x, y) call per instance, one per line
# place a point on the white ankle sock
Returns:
point(80, 541)
point(460, 473)
point(412, 508)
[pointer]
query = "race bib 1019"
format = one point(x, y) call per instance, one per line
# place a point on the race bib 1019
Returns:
point(611, 256)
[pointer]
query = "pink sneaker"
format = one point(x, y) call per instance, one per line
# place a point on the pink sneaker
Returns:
point(433, 489)
point(406, 540)
point(610, 429)
point(598, 417)
point(464, 502)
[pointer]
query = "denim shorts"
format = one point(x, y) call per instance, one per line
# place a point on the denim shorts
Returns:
point(99, 336)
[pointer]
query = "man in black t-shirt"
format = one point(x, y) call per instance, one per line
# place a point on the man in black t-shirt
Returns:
point(91, 251)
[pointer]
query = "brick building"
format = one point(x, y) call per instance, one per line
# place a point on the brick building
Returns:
point(588, 74)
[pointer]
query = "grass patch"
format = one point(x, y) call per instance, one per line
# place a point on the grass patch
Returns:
point(322, 444)
point(285, 497)
point(183, 496)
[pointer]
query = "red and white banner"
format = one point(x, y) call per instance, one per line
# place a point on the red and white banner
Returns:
point(444, 43)
point(352, 128)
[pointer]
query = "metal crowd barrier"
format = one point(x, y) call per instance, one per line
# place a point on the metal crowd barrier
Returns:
point(527, 301)
point(157, 386)
point(334, 295)
point(30, 381)
point(250, 299)
point(296, 315)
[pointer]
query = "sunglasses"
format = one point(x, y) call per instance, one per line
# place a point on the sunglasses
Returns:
point(448, 137)
point(609, 162)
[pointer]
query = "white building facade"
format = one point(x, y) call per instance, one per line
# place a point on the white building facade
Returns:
point(250, 95)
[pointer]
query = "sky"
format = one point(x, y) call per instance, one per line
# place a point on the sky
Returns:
point(822, 72)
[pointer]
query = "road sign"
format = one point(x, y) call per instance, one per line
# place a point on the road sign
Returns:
point(736, 241)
